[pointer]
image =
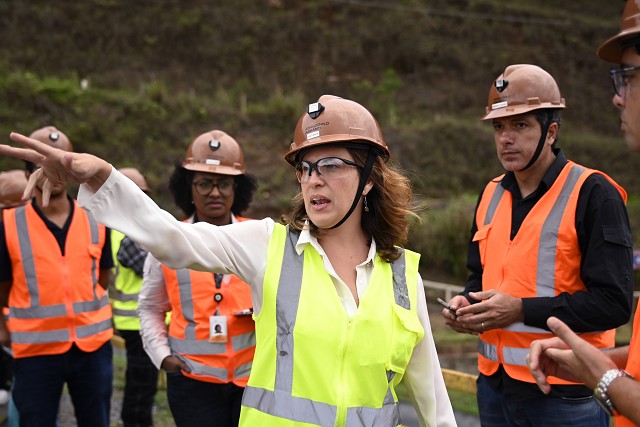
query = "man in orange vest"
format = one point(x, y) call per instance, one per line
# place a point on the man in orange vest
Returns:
point(55, 266)
point(549, 238)
point(569, 356)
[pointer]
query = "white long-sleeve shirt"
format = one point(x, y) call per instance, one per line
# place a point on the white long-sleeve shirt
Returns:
point(241, 249)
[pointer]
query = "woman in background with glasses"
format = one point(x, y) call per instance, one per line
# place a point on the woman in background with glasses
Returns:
point(340, 309)
point(208, 350)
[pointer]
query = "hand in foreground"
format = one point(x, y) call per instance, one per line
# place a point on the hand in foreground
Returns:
point(56, 165)
point(495, 310)
point(174, 364)
point(566, 356)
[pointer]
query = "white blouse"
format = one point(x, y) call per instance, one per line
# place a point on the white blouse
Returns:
point(241, 249)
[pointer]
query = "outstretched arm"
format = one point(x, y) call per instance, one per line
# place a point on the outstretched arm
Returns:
point(57, 165)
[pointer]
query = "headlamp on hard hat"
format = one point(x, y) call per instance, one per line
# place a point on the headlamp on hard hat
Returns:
point(315, 109)
point(501, 84)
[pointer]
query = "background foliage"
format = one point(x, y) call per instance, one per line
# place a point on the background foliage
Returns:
point(135, 82)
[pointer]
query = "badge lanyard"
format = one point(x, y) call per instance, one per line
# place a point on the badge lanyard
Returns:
point(217, 323)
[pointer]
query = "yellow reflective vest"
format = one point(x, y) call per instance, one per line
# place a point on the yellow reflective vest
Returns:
point(317, 366)
point(124, 291)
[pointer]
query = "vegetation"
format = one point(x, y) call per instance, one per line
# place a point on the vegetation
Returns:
point(135, 82)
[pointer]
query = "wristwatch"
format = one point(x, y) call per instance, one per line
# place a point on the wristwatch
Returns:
point(600, 392)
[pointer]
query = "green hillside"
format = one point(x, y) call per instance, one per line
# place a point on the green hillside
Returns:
point(158, 73)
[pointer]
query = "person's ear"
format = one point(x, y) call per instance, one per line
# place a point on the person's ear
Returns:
point(552, 133)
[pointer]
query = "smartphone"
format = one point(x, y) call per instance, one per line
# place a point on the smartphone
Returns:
point(447, 306)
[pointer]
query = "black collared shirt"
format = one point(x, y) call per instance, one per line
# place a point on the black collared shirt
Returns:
point(606, 269)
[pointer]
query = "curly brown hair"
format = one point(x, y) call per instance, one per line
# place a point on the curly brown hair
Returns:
point(390, 205)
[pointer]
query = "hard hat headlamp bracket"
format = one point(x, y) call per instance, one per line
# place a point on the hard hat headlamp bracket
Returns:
point(315, 109)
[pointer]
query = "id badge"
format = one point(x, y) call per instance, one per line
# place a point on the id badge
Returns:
point(218, 328)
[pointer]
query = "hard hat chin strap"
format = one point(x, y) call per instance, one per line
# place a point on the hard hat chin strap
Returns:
point(543, 138)
point(371, 157)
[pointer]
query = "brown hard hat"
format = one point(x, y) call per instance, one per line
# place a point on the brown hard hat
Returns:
point(522, 88)
point(52, 136)
point(12, 185)
point(136, 176)
point(333, 120)
point(611, 50)
point(215, 152)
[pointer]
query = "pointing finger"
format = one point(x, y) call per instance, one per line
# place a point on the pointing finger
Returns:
point(559, 328)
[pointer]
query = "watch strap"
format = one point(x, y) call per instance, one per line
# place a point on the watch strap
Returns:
point(601, 390)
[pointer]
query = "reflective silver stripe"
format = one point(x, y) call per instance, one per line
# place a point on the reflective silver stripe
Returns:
point(400, 290)
point(493, 204)
point(488, 351)
point(521, 327)
point(200, 369)
point(515, 355)
point(287, 300)
point(96, 328)
point(388, 415)
point(186, 302)
point(95, 239)
point(243, 341)
point(124, 313)
point(88, 306)
point(38, 312)
point(548, 245)
point(118, 295)
point(389, 396)
point(59, 335)
point(28, 263)
point(200, 347)
point(243, 371)
point(281, 404)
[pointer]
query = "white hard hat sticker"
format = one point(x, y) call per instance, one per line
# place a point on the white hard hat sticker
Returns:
point(313, 134)
point(214, 162)
point(499, 105)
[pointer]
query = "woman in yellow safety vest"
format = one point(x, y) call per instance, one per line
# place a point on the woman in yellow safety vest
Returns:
point(339, 306)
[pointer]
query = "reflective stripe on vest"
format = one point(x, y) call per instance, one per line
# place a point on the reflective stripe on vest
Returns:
point(195, 346)
point(281, 402)
point(118, 295)
point(545, 269)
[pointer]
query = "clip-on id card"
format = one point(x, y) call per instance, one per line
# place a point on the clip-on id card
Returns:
point(218, 328)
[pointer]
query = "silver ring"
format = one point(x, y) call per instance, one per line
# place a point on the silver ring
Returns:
point(482, 324)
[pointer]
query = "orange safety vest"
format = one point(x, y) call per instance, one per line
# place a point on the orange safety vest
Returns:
point(55, 300)
point(191, 294)
point(633, 366)
point(543, 260)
